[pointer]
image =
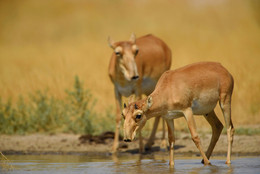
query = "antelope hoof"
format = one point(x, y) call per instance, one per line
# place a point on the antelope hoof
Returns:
point(171, 163)
point(228, 162)
point(206, 163)
point(113, 150)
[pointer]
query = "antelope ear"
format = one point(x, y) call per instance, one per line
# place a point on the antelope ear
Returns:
point(132, 38)
point(111, 43)
point(149, 102)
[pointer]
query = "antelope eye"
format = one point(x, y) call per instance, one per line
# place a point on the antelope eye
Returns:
point(136, 51)
point(118, 53)
point(138, 116)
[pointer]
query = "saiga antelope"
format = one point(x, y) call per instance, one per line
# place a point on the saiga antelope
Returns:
point(191, 90)
point(135, 67)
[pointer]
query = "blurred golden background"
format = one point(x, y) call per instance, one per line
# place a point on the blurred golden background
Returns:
point(44, 44)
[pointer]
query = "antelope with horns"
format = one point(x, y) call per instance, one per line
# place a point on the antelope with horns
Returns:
point(135, 67)
point(191, 90)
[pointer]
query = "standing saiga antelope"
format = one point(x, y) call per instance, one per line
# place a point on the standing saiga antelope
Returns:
point(135, 67)
point(191, 90)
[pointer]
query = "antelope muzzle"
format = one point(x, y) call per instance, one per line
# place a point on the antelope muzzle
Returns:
point(127, 140)
point(135, 77)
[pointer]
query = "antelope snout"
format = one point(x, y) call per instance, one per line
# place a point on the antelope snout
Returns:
point(135, 77)
point(127, 140)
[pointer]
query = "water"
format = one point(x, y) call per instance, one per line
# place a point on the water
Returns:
point(41, 164)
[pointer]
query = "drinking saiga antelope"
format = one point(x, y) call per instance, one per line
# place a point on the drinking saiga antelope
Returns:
point(191, 90)
point(135, 67)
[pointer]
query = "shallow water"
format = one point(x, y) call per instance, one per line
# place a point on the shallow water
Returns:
point(128, 164)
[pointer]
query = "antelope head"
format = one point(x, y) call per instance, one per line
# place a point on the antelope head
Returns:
point(126, 52)
point(135, 118)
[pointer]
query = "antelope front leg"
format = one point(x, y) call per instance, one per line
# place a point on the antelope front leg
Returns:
point(192, 127)
point(150, 142)
point(141, 145)
point(164, 143)
point(171, 138)
point(118, 121)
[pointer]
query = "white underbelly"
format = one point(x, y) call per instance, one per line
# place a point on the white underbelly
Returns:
point(201, 109)
point(173, 114)
point(205, 103)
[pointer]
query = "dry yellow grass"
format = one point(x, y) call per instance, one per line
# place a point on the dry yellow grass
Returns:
point(44, 44)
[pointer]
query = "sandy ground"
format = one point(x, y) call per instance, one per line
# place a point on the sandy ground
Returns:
point(69, 144)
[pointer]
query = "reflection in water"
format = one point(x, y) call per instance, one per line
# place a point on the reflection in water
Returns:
point(212, 169)
point(128, 164)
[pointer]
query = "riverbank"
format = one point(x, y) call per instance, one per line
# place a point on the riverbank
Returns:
point(77, 144)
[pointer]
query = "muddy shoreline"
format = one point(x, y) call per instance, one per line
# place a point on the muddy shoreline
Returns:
point(105, 154)
point(69, 144)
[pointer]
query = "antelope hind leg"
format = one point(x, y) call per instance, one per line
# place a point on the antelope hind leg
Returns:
point(216, 127)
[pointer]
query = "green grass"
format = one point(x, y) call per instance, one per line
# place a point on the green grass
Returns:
point(45, 113)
